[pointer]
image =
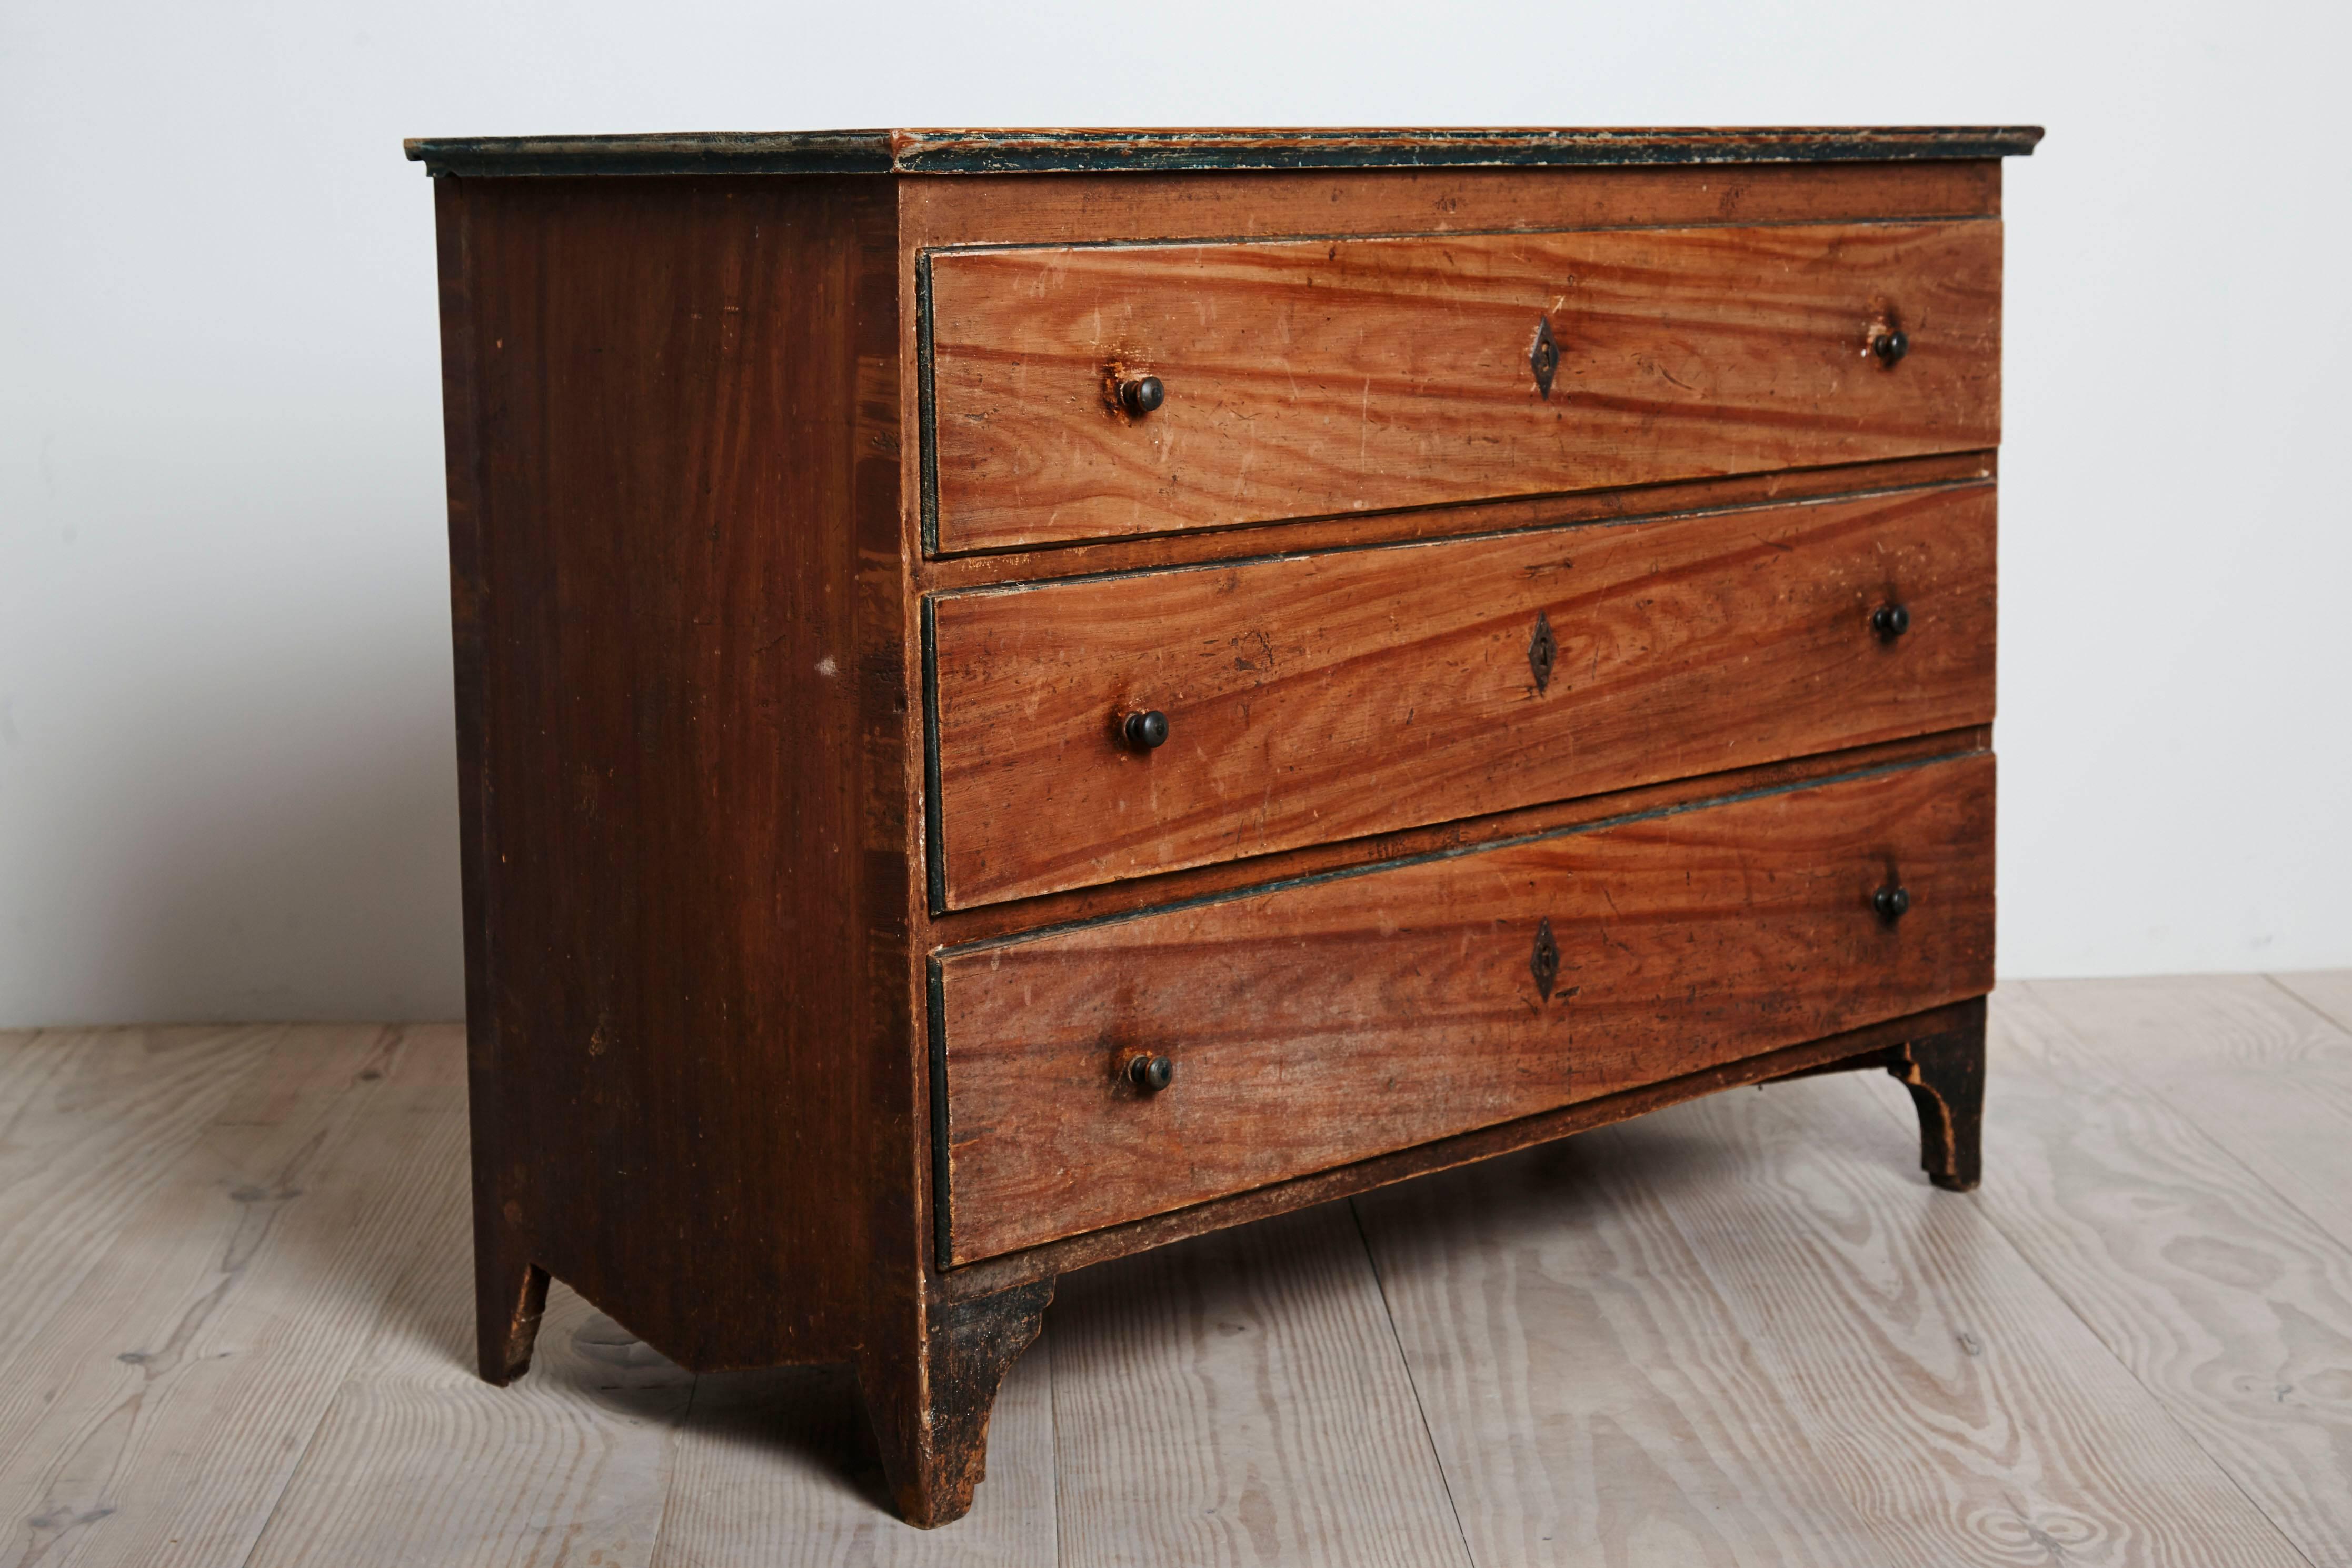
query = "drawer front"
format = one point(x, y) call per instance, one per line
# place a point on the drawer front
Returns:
point(1329, 1020)
point(1321, 698)
point(1316, 377)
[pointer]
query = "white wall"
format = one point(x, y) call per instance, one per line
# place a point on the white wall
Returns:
point(226, 776)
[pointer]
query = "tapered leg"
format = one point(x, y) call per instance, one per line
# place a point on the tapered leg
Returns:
point(510, 1295)
point(1945, 1075)
point(929, 1401)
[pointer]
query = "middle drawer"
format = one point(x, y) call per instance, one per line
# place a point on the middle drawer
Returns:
point(1316, 697)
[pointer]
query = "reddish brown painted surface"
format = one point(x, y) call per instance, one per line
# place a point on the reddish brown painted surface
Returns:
point(1322, 698)
point(1057, 209)
point(653, 589)
point(988, 921)
point(1876, 1045)
point(1623, 503)
point(1317, 1025)
point(688, 567)
point(1318, 376)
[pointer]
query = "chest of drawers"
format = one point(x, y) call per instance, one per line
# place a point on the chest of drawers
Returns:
point(1025, 694)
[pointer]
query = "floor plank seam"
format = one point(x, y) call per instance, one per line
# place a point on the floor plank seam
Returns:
point(2188, 1119)
point(64, 1299)
point(393, 1290)
point(65, 1290)
point(2342, 1025)
point(669, 1487)
point(286, 1490)
point(2210, 1282)
point(1053, 1441)
point(2154, 1396)
point(1388, 1309)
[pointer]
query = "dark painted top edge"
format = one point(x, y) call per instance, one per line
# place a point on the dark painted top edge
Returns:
point(1099, 152)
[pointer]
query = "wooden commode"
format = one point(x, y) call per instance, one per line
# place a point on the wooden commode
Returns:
point(1025, 695)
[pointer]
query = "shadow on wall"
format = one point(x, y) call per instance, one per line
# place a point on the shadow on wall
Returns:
point(228, 775)
point(323, 886)
point(303, 865)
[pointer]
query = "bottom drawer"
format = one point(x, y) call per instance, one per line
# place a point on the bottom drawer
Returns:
point(1332, 1018)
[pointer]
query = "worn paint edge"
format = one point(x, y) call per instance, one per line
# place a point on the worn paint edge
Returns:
point(1451, 851)
point(703, 152)
point(1110, 151)
point(1059, 159)
point(936, 1024)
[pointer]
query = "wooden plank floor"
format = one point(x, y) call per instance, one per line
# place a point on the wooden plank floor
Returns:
point(234, 1329)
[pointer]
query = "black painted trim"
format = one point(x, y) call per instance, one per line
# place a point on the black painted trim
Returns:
point(1103, 152)
point(699, 152)
point(935, 849)
point(926, 405)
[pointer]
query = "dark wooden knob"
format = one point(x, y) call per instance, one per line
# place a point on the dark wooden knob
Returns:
point(1891, 345)
point(1145, 731)
point(1151, 1073)
point(1142, 395)
point(1891, 902)
point(1890, 621)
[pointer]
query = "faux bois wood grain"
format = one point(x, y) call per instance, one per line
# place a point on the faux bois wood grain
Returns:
point(1964, 1402)
point(1093, 1246)
point(1111, 899)
point(1306, 535)
point(1327, 696)
point(1319, 1024)
point(2229, 1305)
point(1621, 504)
point(196, 1359)
point(2263, 1074)
point(1322, 376)
point(1239, 1399)
point(1054, 209)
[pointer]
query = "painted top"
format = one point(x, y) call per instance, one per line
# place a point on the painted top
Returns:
point(1101, 151)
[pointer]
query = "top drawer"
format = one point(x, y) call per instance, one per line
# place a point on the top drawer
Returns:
point(1306, 378)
